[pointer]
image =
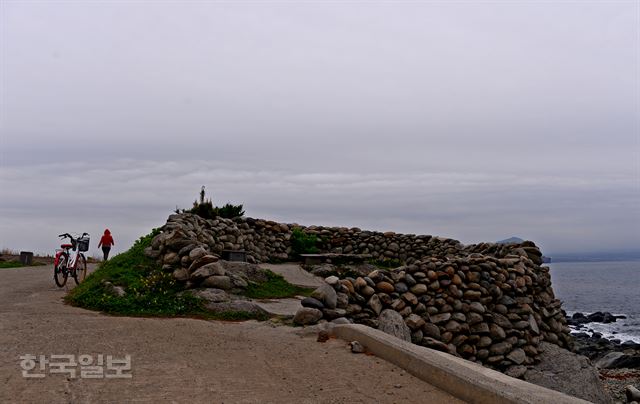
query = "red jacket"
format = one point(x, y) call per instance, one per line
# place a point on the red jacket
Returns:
point(106, 240)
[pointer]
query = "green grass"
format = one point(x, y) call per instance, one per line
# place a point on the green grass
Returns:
point(18, 264)
point(150, 292)
point(11, 264)
point(275, 287)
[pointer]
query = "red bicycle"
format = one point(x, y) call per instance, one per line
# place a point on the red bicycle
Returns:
point(70, 259)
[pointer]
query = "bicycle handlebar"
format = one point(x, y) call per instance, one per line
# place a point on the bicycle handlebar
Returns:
point(67, 235)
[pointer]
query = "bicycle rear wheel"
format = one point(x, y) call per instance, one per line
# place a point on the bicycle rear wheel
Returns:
point(60, 272)
point(81, 269)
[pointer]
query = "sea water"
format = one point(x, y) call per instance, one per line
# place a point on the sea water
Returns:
point(612, 286)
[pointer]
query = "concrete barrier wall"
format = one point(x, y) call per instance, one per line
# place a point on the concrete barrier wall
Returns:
point(460, 378)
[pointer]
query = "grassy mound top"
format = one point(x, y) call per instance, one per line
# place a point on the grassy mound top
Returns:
point(149, 291)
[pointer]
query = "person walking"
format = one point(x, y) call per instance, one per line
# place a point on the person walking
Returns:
point(106, 242)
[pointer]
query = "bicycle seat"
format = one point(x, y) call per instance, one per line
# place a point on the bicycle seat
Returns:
point(66, 245)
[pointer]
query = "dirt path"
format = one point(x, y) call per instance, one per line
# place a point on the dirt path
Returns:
point(182, 360)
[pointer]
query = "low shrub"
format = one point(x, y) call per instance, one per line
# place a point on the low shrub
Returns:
point(302, 243)
point(204, 208)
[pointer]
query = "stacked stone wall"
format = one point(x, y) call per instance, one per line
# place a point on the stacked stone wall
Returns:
point(491, 303)
point(266, 240)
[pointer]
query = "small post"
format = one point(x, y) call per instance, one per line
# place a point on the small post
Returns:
point(26, 257)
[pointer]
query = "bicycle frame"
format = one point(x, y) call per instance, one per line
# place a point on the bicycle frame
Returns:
point(68, 258)
point(72, 259)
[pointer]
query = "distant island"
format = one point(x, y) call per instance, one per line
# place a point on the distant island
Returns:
point(518, 240)
point(511, 240)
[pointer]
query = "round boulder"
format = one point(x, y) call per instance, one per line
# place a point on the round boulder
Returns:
point(307, 315)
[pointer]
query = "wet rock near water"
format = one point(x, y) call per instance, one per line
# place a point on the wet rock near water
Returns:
point(608, 353)
point(605, 353)
point(578, 319)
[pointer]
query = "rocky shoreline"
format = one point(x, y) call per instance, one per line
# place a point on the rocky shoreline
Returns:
point(604, 353)
point(617, 361)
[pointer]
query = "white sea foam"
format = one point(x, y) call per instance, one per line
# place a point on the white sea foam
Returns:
point(620, 330)
point(588, 287)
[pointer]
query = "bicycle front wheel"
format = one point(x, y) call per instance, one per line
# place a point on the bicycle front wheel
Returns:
point(81, 269)
point(60, 272)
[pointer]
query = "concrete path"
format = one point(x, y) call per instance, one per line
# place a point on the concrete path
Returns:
point(294, 274)
point(182, 360)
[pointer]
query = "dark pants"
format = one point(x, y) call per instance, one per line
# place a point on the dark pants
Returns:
point(105, 251)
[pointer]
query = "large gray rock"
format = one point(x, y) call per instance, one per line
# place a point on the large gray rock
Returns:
point(564, 371)
point(212, 295)
point(618, 360)
point(219, 282)
point(332, 280)
point(243, 306)
point(204, 260)
point(197, 253)
point(307, 315)
point(245, 270)
point(238, 282)
point(391, 322)
point(207, 270)
point(609, 360)
point(327, 295)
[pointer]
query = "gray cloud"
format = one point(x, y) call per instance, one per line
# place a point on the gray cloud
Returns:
point(130, 197)
point(472, 120)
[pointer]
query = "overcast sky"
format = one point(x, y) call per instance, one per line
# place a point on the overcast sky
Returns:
point(471, 120)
